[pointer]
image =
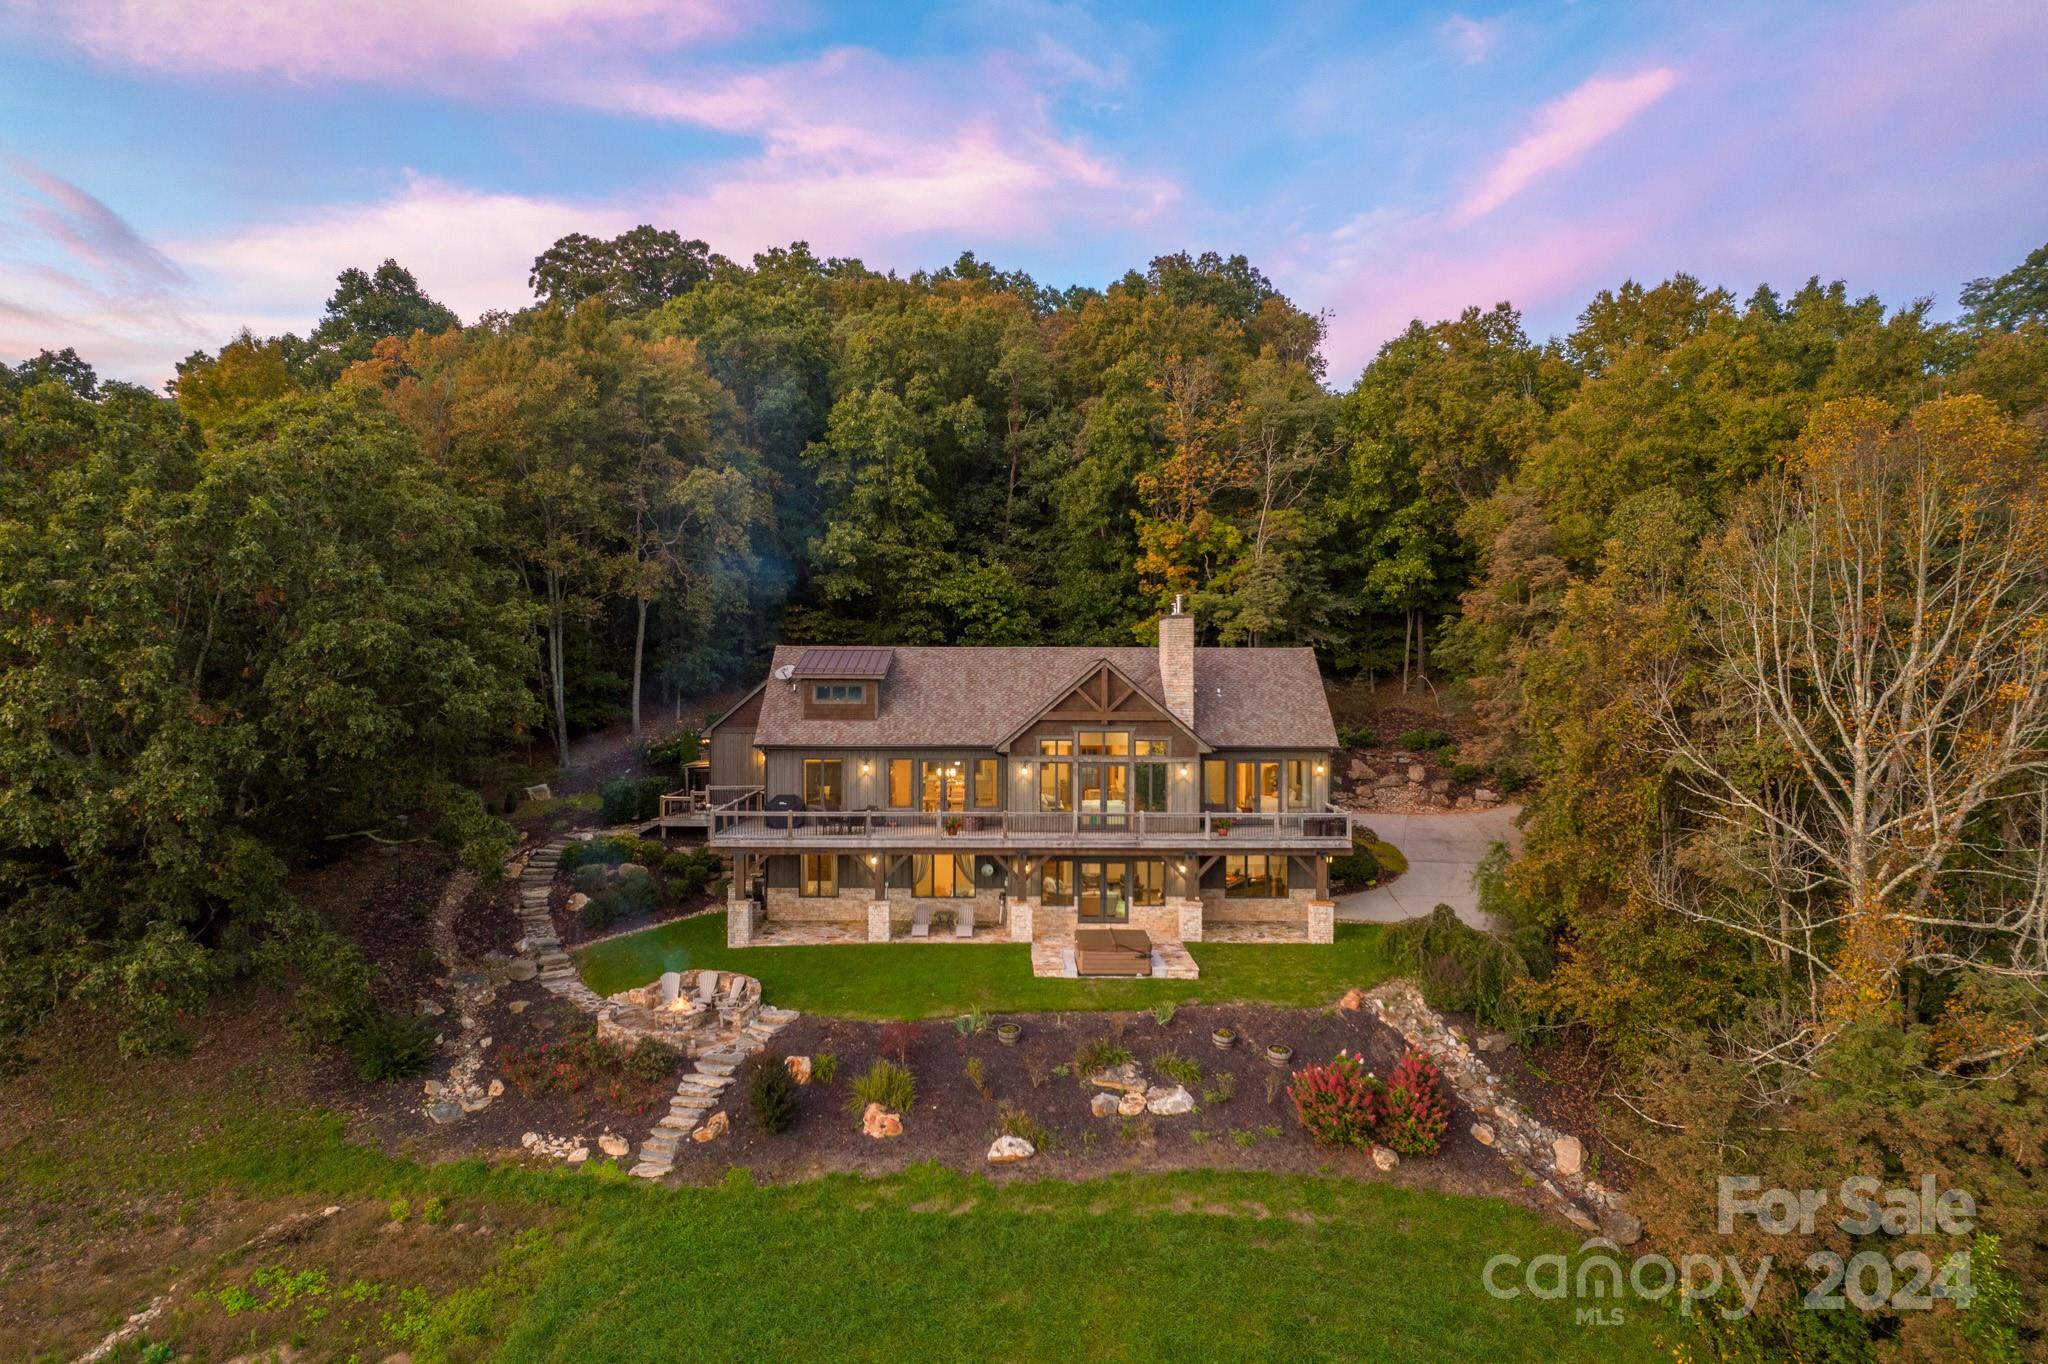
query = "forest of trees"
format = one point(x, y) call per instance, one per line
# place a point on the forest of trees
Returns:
point(1753, 593)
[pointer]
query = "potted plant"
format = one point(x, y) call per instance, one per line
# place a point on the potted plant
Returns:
point(951, 824)
point(1008, 1033)
point(1223, 1037)
point(1223, 827)
point(1279, 1054)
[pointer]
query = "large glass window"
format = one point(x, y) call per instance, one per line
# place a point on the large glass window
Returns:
point(1300, 783)
point(1148, 786)
point(822, 786)
point(1055, 786)
point(942, 785)
point(1148, 748)
point(988, 785)
point(1258, 786)
point(899, 784)
point(942, 877)
point(1254, 877)
point(820, 874)
point(1055, 748)
point(1215, 784)
point(1113, 743)
point(1056, 882)
point(1148, 882)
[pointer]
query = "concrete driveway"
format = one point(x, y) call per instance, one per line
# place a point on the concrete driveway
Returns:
point(1443, 850)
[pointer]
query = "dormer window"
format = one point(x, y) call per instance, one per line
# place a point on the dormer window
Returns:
point(839, 693)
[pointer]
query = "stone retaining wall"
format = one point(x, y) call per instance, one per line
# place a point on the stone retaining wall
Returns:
point(1554, 1159)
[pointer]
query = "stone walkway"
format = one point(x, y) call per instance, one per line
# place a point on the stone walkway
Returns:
point(697, 1095)
point(1443, 850)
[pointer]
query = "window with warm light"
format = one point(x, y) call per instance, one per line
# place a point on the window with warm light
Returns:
point(1056, 882)
point(1254, 877)
point(819, 874)
point(941, 877)
point(899, 783)
point(1300, 783)
point(1148, 881)
point(942, 784)
point(823, 783)
point(988, 786)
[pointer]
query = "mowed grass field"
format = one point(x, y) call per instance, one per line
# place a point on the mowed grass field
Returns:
point(931, 980)
point(212, 1181)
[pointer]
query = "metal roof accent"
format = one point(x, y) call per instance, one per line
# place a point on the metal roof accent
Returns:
point(844, 660)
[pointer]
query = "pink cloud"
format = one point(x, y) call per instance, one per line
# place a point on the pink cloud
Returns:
point(369, 40)
point(1563, 131)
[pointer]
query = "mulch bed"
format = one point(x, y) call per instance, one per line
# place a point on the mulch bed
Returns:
point(1252, 1127)
point(391, 1115)
point(571, 929)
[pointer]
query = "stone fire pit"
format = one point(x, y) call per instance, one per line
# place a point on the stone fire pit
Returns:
point(689, 1010)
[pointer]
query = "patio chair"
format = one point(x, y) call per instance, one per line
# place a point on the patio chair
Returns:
point(963, 922)
point(921, 921)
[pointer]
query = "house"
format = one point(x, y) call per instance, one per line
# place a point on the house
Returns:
point(1018, 794)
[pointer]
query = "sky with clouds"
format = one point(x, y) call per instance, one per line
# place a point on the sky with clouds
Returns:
point(174, 170)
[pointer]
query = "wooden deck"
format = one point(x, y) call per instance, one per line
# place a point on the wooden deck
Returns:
point(827, 831)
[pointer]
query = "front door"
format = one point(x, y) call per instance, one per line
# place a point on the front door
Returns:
point(1099, 892)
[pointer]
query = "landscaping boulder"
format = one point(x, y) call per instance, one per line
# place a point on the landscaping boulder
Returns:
point(576, 902)
point(1124, 1079)
point(877, 1121)
point(1416, 772)
point(614, 1145)
point(714, 1127)
point(1131, 1105)
point(1169, 1102)
point(1622, 1228)
point(578, 1156)
point(1010, 1150)
point(1482, 1134)
point(1354, 999)
point(1103, 1105)
point(1493, 1041)
point(799, 1068)
point(1568, 1154)
point(1384, 1158)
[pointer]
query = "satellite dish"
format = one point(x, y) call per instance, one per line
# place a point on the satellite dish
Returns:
point(785, 672)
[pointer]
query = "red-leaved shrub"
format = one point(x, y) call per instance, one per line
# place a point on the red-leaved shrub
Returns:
point(1413, 1112)
point(1338, 1104)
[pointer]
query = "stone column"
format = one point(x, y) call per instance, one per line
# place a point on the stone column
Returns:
point(878, 921)
point(1021, 916)
point(739, 920)
point(1322, 921)
point(1189, 912)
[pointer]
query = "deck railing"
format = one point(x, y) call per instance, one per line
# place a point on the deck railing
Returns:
point(710, 798)
point(995, 828)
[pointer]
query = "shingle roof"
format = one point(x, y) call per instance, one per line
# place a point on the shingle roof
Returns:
point(844, 660)
point(978, 697)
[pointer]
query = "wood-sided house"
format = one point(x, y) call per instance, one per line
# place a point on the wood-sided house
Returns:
point(1028, 791)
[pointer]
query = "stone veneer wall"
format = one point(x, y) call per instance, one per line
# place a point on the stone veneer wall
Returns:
point(852, 907)
point(1217, 908)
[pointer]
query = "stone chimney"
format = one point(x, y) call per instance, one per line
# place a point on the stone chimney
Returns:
point(1177, 663)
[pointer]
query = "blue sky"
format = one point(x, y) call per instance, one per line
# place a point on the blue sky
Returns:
point(171, 172)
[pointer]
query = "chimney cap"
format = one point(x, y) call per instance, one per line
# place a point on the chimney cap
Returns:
point(1176, 603)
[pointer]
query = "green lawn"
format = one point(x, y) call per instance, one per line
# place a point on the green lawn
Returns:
point(923, 1265)
point(927, 980)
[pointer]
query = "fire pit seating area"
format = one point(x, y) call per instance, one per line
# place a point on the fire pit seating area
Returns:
point(689, 1010)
